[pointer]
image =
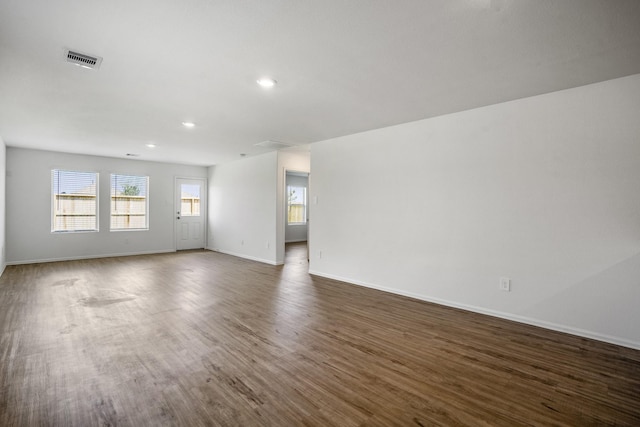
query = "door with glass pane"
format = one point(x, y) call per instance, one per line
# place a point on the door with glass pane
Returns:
point(190, 213)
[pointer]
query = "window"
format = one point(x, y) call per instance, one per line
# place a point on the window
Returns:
point(129, 202)
point(190, 200)
point(74, 201)
point(297, 205)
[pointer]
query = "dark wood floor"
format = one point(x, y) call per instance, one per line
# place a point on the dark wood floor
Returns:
point(201, 338)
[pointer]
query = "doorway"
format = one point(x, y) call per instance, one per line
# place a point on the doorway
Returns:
point(296, 254)
point(190, 208)
point(297, 209)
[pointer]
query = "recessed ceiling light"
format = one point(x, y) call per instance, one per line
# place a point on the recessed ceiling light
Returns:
point(151, 145)
point(266, 82)
point(188, 124)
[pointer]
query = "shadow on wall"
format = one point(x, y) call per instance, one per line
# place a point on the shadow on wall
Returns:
point(599, 303)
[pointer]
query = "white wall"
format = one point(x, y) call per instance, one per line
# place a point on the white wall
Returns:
point(298, 161)
point(3, 174)
point(28, 213)
point(296, 232)
point(242, 207)
point(544, 190)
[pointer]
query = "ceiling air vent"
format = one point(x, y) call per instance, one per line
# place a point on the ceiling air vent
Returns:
point(273, 145)
point(82, 59)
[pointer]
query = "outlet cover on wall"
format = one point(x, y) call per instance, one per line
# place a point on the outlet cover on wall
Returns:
point(505, 284)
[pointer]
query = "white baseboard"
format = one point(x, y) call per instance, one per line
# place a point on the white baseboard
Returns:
point(503, 315)
point(74, 258)
point(249, 257)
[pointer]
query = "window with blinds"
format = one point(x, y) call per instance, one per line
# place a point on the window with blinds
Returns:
point(296, 205)
point(129, 202)
point(74, 201)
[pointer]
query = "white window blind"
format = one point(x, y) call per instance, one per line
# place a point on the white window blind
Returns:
point(129, 202)
point(297, 205)
point(74, 201)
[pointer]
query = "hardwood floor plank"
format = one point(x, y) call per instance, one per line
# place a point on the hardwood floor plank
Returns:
point(201, 338)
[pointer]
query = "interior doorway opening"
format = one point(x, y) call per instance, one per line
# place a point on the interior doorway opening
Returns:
point(296, 215)
point(296, 254)
point(296, 228)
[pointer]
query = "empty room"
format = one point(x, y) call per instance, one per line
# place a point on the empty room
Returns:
point(305, 213)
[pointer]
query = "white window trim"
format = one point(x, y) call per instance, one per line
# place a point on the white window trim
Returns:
point(147, 216)
point(53, 207)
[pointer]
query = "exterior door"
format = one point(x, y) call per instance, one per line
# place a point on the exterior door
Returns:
point(190, 213)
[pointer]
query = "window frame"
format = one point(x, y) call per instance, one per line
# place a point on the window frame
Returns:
point(54, 212)
point(112, 196)
point(182, 198)
point(304, 204)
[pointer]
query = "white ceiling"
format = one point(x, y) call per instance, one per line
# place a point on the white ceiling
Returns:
point(342, 67)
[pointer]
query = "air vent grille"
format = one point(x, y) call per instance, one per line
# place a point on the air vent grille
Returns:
point(82, 59)
point(274, 145)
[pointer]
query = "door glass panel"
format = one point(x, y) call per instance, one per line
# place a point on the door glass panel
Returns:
point(190, 200)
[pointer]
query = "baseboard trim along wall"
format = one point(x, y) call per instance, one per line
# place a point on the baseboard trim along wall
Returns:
point(249, 257)
point(508, 316)
point(75, 258)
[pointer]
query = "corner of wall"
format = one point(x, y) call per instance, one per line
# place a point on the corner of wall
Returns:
point(210, 196)
point(3, 174)
point(245, 224)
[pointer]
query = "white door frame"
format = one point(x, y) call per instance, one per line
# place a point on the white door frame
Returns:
point(285, 202)
point(203, 208)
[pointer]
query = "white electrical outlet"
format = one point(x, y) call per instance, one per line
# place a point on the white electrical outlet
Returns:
point(505, 284)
